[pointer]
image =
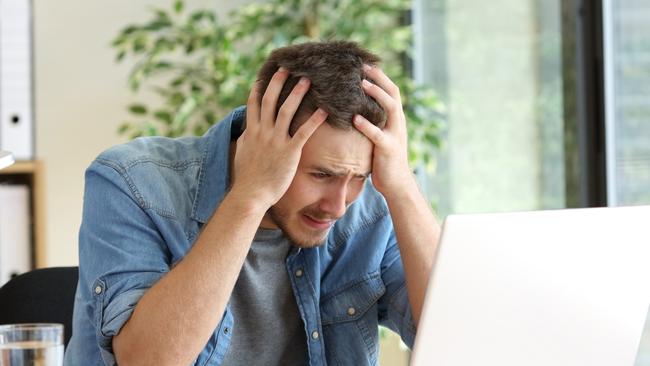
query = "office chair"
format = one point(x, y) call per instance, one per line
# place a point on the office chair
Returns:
point(40, 296)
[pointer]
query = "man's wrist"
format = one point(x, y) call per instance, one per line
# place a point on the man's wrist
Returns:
point(408, 190)
point(247, 202)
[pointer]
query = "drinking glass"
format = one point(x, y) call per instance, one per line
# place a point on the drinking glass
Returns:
point(31, 345)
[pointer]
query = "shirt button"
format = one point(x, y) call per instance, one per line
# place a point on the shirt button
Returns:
point(98, 290)
point(299, 273)
point(351, 311)
point(315, 335)
point(226, 330)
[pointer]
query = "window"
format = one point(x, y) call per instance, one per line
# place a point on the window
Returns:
point(547, 104)
point(498, 69)
point(627, 94)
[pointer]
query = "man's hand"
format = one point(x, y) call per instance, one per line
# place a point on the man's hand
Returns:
point(390, 170)
point(267, 158)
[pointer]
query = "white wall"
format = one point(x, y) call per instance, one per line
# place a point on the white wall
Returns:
point(81, 94)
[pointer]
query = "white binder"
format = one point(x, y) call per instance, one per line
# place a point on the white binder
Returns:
point(16, 112)
point(15, 248)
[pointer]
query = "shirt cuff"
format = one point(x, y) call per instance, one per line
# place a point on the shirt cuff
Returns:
point(111, 315)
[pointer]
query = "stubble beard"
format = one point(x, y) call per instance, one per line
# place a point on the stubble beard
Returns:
point(280, 218)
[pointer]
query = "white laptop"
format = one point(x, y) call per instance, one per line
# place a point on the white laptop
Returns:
point(551, 288)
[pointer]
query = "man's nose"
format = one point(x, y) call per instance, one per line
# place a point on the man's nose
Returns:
point(335, 202)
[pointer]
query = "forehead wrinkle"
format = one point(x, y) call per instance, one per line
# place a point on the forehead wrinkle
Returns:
point(337, 167)
point(338, 151)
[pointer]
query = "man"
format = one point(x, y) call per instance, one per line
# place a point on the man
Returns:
point(263, 247)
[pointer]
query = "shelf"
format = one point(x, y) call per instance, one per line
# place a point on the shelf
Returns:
point(31, 172)
point(21, 167)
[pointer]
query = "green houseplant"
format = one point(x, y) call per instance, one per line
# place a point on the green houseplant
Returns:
point(202, 68)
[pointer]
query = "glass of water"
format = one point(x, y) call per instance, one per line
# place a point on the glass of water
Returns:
point(31, 345)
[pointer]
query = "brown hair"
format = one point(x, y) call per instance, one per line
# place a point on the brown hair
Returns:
point(335, 69)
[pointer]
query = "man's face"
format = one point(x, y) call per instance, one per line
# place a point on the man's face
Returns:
point(333, 168)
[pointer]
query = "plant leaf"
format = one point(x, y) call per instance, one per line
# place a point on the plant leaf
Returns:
point(163, 116)
point(178, 6)
point(138, 109)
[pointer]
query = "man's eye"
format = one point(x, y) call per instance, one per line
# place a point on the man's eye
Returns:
point(320, 175)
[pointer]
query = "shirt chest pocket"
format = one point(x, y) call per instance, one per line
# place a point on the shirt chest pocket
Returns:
point(351, 302)
point(350, 319)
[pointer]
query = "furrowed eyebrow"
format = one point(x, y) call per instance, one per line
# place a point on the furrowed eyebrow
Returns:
point(340, 173)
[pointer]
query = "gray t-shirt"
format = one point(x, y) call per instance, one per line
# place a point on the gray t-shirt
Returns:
point(267, 328)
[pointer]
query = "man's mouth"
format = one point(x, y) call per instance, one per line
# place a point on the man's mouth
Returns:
point(319, 224)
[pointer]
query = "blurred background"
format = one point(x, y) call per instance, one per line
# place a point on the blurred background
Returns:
point(513, 104)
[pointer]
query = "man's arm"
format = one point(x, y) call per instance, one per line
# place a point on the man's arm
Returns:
point(174, 319)
point(417, 233)
point(416, 228)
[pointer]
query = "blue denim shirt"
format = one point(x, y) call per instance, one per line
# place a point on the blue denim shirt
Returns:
point(144, 205)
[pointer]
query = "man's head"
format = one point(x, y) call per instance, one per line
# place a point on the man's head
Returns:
point(335, 70)
point(337, 158)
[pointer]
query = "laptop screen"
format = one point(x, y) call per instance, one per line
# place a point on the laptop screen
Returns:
point(561, 288)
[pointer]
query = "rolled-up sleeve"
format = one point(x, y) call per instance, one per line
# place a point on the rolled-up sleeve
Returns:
point(394, 307)
point(121, 252)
